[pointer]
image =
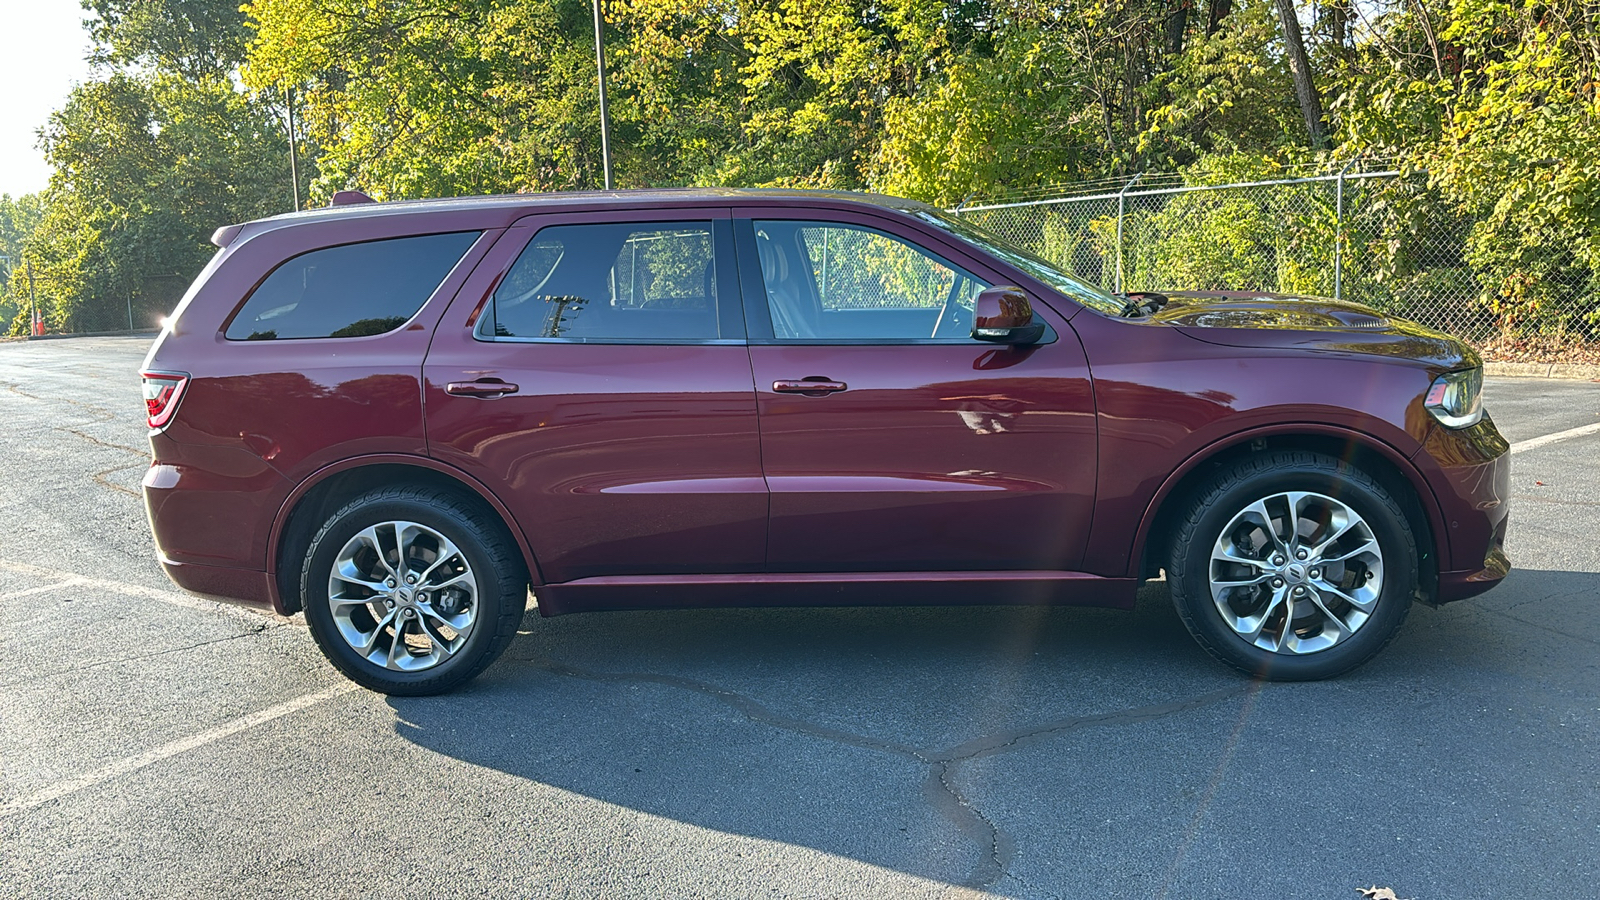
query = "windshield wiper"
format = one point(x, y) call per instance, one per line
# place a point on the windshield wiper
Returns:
point(1139, 304)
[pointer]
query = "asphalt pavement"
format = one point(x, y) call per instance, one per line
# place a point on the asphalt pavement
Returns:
point(154, 744)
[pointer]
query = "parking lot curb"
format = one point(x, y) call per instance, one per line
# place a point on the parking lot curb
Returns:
point(80, 334)
point(1577, 371)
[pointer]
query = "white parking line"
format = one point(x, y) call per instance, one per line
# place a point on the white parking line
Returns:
point(171, 598)
point(70, 582)
point(1541, 441)
point(166, 751)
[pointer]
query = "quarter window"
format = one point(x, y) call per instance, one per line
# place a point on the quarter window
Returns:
point(828, 281)
point(639, 282)
point(351, 290)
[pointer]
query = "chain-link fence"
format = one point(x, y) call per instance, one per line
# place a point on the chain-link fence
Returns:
point(1377, 238)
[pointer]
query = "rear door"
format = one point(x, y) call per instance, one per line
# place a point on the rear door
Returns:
point(594, 375)
point(890, 439)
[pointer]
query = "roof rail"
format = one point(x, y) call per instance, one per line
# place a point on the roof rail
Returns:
point(349, 198)
point(224, 236)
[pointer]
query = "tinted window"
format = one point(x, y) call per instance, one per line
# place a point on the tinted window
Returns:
point(611, 282)
point(834, 281)
point(349, 291)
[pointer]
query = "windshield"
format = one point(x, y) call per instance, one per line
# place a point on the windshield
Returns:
point(1083, 293)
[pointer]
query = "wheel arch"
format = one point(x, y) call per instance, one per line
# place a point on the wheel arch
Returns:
point(320, 493)
point(1384, 463)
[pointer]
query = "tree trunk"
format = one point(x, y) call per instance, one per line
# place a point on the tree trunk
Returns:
point(1217, 10)
point(1177, 24)
point(1339, 23)
point(1300, 67)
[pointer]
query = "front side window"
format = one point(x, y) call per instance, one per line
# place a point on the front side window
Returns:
point(352, 290)
point(830, 281)
point(637, 282)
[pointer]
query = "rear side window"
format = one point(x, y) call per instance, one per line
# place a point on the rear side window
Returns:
point(352, 290)
point(652, 282)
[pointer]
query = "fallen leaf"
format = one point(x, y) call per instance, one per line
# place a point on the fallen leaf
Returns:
point(1377, 893)
point(1540, 483)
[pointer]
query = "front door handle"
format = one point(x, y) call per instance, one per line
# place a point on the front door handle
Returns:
point(813, 385)
point(483, 387)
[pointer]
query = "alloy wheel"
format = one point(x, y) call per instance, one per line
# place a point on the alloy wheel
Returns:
point(1296, 572)
point(403, 596)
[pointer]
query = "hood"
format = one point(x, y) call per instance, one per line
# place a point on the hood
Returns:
point(1249, 319)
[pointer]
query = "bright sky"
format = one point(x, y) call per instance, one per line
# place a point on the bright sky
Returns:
point(42, 45)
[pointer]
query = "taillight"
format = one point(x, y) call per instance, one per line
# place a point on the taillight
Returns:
point(162, 391)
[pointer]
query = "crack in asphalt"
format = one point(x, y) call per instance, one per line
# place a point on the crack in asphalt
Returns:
point(739, 702)
point(939, 788)
point(1005, 740)
point(100, 413)
point(942, 794)
point(111, 445)
point(100, 479)
point(252, 631)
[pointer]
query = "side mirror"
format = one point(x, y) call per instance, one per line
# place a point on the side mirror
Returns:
point(1004, 315)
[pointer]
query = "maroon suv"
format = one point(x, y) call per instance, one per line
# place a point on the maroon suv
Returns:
point(397, 417)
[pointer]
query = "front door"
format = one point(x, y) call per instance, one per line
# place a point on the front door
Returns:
point(891, 440)
point(594, 375)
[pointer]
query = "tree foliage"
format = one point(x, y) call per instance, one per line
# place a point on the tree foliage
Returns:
point(182, 129)
point(18, 219)
point(149, 156)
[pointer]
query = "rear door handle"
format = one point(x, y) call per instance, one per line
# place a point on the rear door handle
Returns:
point(483, 387)
point(810, 385)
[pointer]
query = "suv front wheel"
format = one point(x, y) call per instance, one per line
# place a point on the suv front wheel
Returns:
point(410, 592)
point(1293, 566)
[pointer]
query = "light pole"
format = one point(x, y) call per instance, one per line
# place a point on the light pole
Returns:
point(600, 63)
point(294, 163)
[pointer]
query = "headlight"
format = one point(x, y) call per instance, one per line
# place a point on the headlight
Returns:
point(1456, 398)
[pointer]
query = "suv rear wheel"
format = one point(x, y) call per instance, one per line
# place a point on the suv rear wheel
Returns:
point(1293, 566)
point(410, 592)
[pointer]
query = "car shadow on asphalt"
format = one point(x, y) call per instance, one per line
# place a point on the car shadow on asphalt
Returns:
point(811, 727)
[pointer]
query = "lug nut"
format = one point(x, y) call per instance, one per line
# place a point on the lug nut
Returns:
point(1316, 573)
point(1277, 582)
point(389, 603)
point(411, 579)
point(388, 582)
point(1301, 554)
point(1277, 560)
point(409, 613)
point(1299, 590)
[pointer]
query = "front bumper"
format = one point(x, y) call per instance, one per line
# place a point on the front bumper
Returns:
point(1473, 487)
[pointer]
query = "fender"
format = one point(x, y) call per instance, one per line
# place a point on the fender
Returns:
point(280, 521)
point(1424, 491)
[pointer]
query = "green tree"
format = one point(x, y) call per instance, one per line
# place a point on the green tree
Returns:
point(1496, 103)
point(150, 156)
point(18, 219)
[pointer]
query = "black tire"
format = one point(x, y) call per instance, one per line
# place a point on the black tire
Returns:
point(497, 570)
point(1214, 508)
